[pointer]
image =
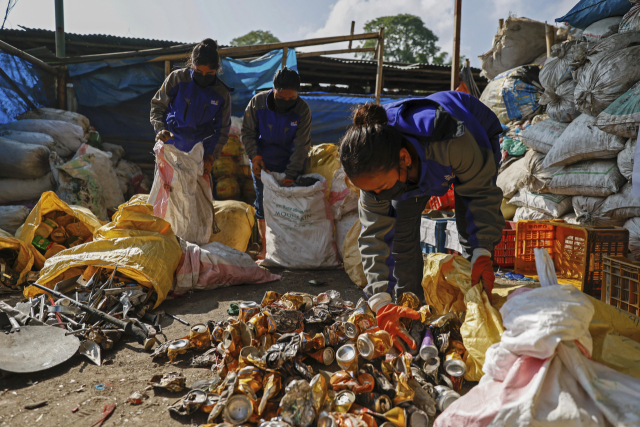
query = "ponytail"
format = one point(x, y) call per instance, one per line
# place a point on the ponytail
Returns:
point(205, 53)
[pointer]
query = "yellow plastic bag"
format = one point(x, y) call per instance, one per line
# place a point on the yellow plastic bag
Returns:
point(50, 202)
point(24, 261)
point(447, 286)
point(325, 160)
point(235, 221)
point(508, 210)
point(351, 256)
point(142, 245)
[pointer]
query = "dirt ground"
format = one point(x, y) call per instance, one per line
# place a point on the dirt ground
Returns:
point(73, 384)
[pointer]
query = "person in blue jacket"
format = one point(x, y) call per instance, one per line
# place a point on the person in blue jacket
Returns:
point(403, 153)
point(276, 133)
point(193, 105)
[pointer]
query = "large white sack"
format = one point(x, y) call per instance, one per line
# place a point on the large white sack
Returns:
point(512, 179)
point(597, 178)
point(180, 194)
point(542, 135)
point(523, 213)
point(55, 114)
point(602, 29)
point(560, 103)
point(343, 226)
point(625, 158)
point(633, 225)
point(342, 198)
point(23, 161)
point(610, 77)
point(570, 218)
point(551, 204)
point(588, 211)
point(520, 41)
point(12, 217)
point(34, 138)
point(557, 68)
point(17, 190)
point(299, 224)
point(630, 21)
point(585, 55)
point(127, 173)
point(622, 117)
point(582, 140)
point(68, 137)
point(113, 195)
point(622, 205)
point(539, 176)
point(216, 265)
point(117, 152)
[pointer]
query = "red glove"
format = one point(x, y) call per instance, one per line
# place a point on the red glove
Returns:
point(207, 164)
point(482, 269)
point(288, 182)
point(388, 318)
point(257, 165)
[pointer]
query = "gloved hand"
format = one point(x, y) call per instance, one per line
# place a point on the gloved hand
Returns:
point(388, 318)
point(164, 136)
point(288, 182)
point(482, 269)
point(257, 165)
point(208, 164)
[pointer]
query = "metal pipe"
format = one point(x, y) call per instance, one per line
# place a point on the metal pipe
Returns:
point(455, 60)
point(60, 50)
point(379, 69)
point(29, 58)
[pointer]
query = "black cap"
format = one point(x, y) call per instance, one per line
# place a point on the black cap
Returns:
point(286, 78)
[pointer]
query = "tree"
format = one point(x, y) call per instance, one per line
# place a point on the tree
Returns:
point(406, 39)
point(444, 59)
point(255, 37)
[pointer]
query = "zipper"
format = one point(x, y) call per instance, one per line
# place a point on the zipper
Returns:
point(186, 110)
point(204, 110)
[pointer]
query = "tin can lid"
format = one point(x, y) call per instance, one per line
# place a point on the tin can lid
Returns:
point(351, 330)
point(428, 352)
point(445, 379)
point(345, 397)
point(378, 301)
point(455, 367)
point(328, 356)
point(248, 304)
point(199, 328)
point(179, 344)
point(365, 346)
point(238, 409)
point(446, 399)
point(227, 339)
point(346, 353)
point(431, 365)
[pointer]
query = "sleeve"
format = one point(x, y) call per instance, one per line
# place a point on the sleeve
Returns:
point(375, 241)
point(161, 100)
point(222, 124)
point(475, 171)
point(250, 130)
point(301, 146)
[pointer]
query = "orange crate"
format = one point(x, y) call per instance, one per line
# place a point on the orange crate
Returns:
point(576, 251)
point(621, 284)
point(504, 253)
point(445, 202)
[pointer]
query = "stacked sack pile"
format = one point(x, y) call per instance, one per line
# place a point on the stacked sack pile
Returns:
point(232, 170)
point(580, 158)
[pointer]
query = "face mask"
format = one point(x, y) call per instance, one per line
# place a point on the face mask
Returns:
point(203, 80)
point(392, 193)
point(282, 105)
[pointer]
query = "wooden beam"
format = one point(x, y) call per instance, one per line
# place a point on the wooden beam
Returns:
point(167, 68)
point(23, 55)
point(353, 26)
point(334, 52)
point(455, 60)
point(548, 31)
point(380, 67)
point(285, 52)
point(17, 90)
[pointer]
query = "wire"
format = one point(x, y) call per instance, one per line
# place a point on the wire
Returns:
point(10, 5)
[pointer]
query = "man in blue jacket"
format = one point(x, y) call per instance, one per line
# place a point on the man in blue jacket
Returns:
point(276, 133)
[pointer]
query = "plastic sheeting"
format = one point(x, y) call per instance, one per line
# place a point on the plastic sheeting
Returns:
point(24, 260)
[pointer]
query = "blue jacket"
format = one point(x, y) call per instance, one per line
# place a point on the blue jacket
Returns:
point(193, 113)
point(282, 139)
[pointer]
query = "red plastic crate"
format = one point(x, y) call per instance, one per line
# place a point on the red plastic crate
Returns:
point(445, 202)
point(504, 254)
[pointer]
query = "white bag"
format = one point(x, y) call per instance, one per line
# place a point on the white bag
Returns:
point(117, 152)
point(23, 161)
point(34, 138)
point(582, 140)
point(570, 218)
point(342, 198)
point(12, 217)
point(113, 195)
point(602, 29)
point(299, 224)
point(180, 194)
point(625, 158)
point(551, 204)
point(589, 211)
point(630, 21)
point(539, 177)
point(542, 135)
point(557, 68)
point(55, 114)
point(560, 103)
point(524, 213)
point(342, 228)
point(597, 178)
point(585, 55)
point(633, 225)
point(17, 190)
point(68, 137)
point(622, 205)
point(512, 179)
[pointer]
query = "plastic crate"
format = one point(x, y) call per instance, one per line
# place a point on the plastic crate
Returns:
point(576, 251)
point(621, 284)
point(504, 254)
point(440, 227)
point(445, 202)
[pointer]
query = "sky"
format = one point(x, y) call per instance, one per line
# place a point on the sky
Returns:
point(189, 21)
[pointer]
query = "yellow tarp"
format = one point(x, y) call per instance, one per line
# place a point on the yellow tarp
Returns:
point(142, 245)
point(235, 221)
point(24, 261)
point(50, 202)
point(447, 286)
point(325, 160)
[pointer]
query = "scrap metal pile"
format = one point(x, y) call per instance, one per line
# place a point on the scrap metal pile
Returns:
point(270, 365)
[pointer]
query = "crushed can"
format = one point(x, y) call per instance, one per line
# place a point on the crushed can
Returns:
point(200, 337)
point(343, 401)
point(372, 345)
point(269, 298)
point(453, 364)
point(361, 319)
point(326, 356)
point(428, 348)
point(445, 396)
point(247, 310)
point(177, 347)
point(238, 409)
point(347, 358)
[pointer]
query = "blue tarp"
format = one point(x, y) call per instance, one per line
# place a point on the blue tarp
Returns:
point(38, 85)
point(586, 12)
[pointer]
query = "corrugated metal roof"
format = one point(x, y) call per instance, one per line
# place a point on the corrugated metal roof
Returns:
point(396, 65)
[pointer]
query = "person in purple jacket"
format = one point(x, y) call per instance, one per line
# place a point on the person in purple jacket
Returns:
point(403, 153)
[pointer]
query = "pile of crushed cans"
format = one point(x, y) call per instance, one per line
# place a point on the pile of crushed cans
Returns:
point(263, 363)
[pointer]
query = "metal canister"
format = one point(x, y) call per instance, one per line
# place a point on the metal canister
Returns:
point(362, 317)
point(244, 356)
point(238, 409)
point(347, 358)
point(335, 334)
point(441, 321)
point(41, 243)
point(428, 348)
point(453, 364)
point(326, 356)
point(232, 337)
point(248, 309)
point(372, 345)
point(430, 368)
point(445, 397)
point(260, 324)
point(343, 401)
point(269, 298)
point(217, 334)
point(177, 347)
point(199, 336)
point(312, 343)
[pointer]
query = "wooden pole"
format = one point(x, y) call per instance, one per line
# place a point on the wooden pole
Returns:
point(167, 68)
point(500, 24)
point(62, 89)
point(23, 55)
point(455, 61)
point(60, 47)
point(17, 90)
point(285, 52)
point(335, 52)
point(548, 31)
point(378, 91)
point(353, 26)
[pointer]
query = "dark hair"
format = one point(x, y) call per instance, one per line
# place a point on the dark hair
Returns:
point(370, 145)
point(286, 78)
point(205, 53)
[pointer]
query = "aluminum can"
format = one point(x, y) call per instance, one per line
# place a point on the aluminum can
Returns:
point(343, 401)
point(247, 310)
point(200, 337)
point(372, 345)
point(428, 348)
